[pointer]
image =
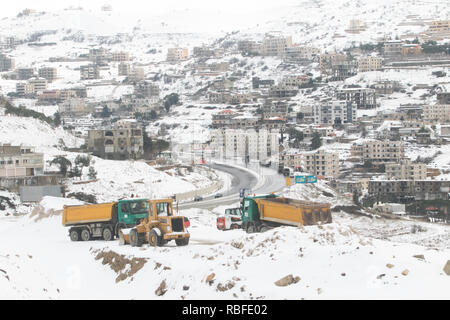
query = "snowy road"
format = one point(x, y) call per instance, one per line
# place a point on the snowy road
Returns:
point(268, 181)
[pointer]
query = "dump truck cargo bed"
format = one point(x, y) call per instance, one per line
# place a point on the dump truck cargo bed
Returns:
point(293, 212)
point(73, 215)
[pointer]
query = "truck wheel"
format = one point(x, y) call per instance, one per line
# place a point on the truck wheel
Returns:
point(263, 229)
point(182, 242)
point(74, 235)
point(134, 238)
point(85, 235)
point(154, 239)
point(107, 234)
point(251, 228)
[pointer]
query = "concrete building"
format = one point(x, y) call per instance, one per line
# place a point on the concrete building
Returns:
point(146, 89)
point(120, 56)
point(48, 73)
point(370, 64)
point(363, 98)
point(258, 83)
point(418, 189)
point(283, 91)
point(39, 84)
point(275, 108)
point(411, 49)
point(25, 73)
point(6, 63)
point(437, 113)
point(319, 163)
point(378, 151)
point(137, 74)
point(124, 69)
point(233, 120)
point(249, 47)
point(393, 48)
point(334, 112)
point(406, 170)
point(121, 142)
point(245, 143)
point(24, 89)
point(89, 72)
point(295, 81)
point(275, 45)
point(74, 106)
point(20, 161)
point(337, 67)
point(177, 54)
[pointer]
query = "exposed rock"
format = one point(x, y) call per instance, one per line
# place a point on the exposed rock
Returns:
point(237, 245)
point(210, 278)
point(227, 286)
point(381, 276)
point(185, 288)
point(447, 268)
point(405, 272)
point(287, 280)
point(419, 256)
point(161, 289)
point(390, 266)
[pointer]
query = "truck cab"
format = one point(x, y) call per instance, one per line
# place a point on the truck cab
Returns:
point(130, 212)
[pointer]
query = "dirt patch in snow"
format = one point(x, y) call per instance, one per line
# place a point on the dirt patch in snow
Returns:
point(119, 263)
point(40, 213)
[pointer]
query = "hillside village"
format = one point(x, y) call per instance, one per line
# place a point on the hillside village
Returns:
point(360, 103)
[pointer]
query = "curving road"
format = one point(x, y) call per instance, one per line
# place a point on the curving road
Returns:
point(242, 179)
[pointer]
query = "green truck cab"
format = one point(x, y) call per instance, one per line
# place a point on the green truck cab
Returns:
point(250, 213)
point(131, 211)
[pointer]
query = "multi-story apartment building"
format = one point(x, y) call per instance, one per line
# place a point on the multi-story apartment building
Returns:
point(259, 83)
point(48, 73)
point(275, 108)
point(120, 56)
point(334, 112)
point(319, 163)
point(20, 161)
point(24, 89)
point(39, 84)
point(25, 73)
point(275, 45)
point(393, 48)
point(370, 64)
point(295, 81)
point(419, 189)
point(406, 170)
point(6, 63)
point(146, 89)
point(249, 47)
point(282, 90)
point(378, 150)
point(207, 52)
point(89, 72)
point(252, 144)
point(123, 141)
point(337, 67)
point(302, 53)
point(74, 106)
point(233, 120)
point(437, 113)
point(177, 54)
point(438, 26)
point(137, 74)
point(124, 69)
point(363, 98)
point(443, 98)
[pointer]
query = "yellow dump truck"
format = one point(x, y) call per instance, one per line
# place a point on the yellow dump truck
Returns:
point(103, 220)
point(160, 227)
point(260, 213)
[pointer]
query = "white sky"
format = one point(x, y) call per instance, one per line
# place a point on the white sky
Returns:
point(11, 8)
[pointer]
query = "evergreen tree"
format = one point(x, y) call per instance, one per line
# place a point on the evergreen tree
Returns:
point(316, 141)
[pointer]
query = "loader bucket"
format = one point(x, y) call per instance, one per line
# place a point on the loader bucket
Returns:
point(124, 236)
